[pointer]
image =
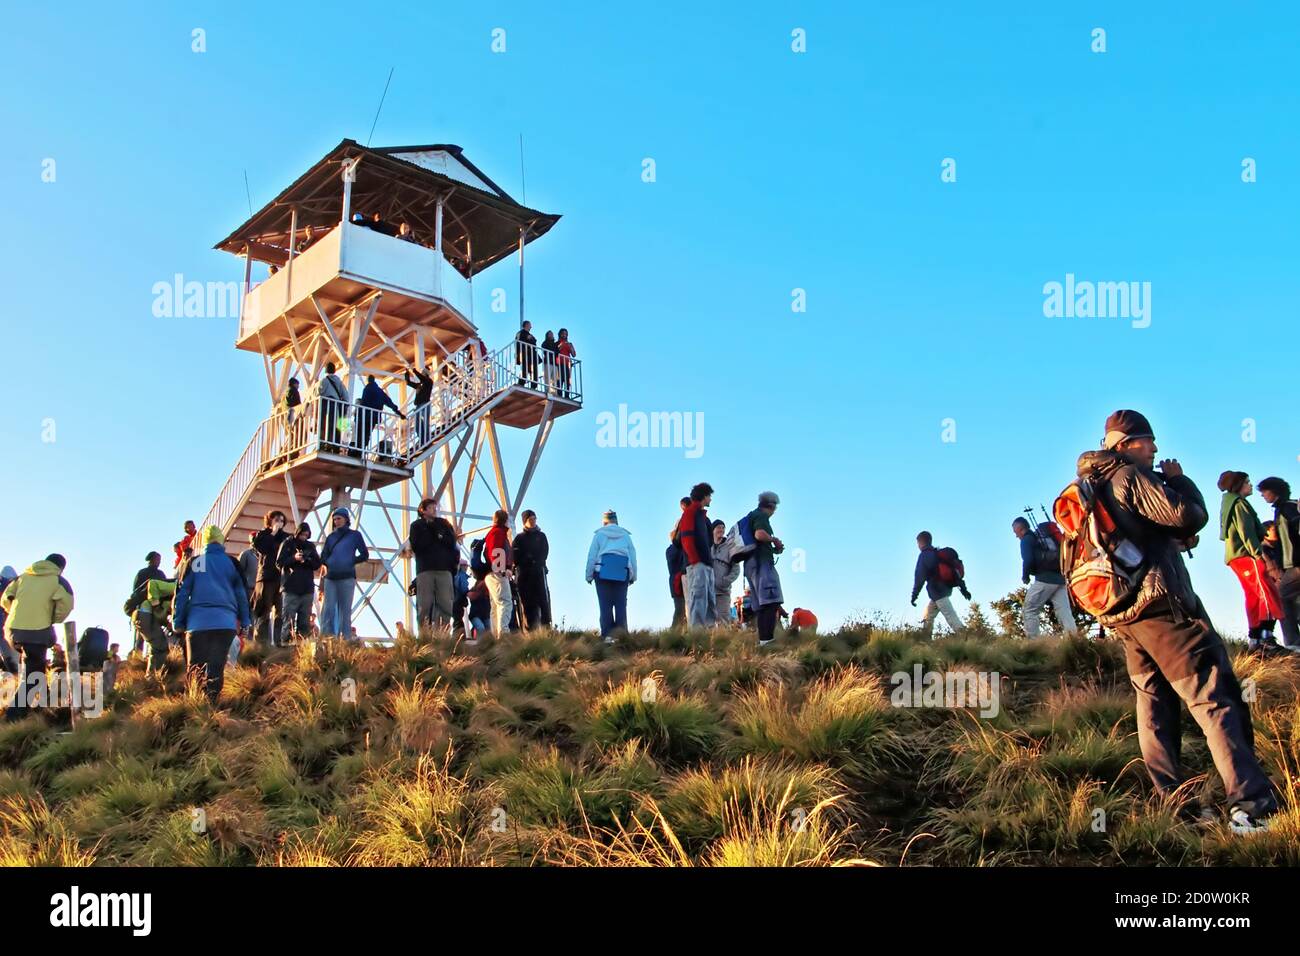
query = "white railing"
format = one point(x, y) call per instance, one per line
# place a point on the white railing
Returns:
point(235, 489)
point(463, 383)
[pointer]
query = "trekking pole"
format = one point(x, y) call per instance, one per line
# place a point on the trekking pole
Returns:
point(74, 669)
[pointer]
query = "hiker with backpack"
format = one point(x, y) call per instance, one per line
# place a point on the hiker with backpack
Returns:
point(725, 572)
point(696, 539)
point(611, 566)
point(1040, 558)
point(760, 565)
point(151, 619)
point(1125, 526)
point(136, 605)
point(500, 559)
point(1286, 519)
point(1242, 537)
point(34, 602)
point(211, 607)
point(940, 571)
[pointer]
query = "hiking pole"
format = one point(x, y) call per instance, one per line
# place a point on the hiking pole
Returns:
point(73, 669)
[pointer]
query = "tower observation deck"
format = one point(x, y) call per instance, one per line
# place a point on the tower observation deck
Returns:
point(371, 255)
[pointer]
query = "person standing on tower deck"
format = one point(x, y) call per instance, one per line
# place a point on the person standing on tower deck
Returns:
point(526, 354)
point(1241, 534)
point(369, 408)
point(696, 538)
point(423, 385)
point(344, 549)
point(433, 542)
point(500, 559)
point(1172, 651)
point(548, 347)
point(760, 568)
point(334, 401)
point(565, 353)
point(531, 551)
point(1286, 520)
point(269, 625)
point(184, 544)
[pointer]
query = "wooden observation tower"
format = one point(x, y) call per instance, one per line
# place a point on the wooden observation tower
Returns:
point(372, 255)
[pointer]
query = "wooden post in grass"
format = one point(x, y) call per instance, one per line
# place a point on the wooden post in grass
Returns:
point(74, 669)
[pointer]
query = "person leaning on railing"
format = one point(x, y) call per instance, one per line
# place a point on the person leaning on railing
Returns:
point(423, 385)
point(333, 404)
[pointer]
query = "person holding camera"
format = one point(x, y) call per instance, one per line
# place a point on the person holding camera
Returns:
point(298, 561)
point(1172, 651)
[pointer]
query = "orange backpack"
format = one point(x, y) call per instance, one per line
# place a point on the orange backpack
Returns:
point(1102, 569)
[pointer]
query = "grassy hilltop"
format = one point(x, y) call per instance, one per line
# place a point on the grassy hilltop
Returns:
point(553, 749)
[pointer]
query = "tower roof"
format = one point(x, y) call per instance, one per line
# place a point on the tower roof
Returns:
point(481, 221)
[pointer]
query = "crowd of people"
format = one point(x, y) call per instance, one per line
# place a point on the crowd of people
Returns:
point(1114, 547)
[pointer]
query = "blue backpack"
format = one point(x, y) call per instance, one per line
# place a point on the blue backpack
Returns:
point(613, 567)
point(739, 542)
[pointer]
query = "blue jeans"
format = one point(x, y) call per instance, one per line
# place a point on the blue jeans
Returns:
point(612, 598)
point(336, 614)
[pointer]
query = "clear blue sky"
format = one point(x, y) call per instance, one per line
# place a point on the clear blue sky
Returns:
point(775, 170)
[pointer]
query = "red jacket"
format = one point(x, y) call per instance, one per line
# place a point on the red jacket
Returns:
point(185, 542)
point(498, 540)
point(694, 533)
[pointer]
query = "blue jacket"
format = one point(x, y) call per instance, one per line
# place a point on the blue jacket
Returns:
point(212, 595)
point(611, 539)
point(1029, 562)
point(927, 574)
point(374, 396)
point(344, 550)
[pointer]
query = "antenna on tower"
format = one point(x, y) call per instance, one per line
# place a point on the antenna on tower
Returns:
point(249, 194)
point(382, 97)
point(523, 184)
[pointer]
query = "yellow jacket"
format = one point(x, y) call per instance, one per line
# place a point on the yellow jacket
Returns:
point(35, 601)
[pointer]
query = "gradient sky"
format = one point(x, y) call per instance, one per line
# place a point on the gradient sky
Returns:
point(776, 171)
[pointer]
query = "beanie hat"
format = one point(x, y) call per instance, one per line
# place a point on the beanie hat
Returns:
point(1231, 480)
point(212, 535)
point(304, 526)
point(57, 559)
point(344, 514)
point(767, 498)
point(1124, 425)
point(7, 573)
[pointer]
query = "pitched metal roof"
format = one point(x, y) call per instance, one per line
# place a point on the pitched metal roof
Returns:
point(480, 227)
